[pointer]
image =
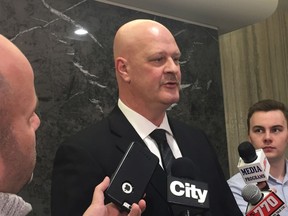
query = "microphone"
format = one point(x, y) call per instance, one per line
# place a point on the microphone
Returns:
point(187, 196)
point(253, 165)
point(265, 203)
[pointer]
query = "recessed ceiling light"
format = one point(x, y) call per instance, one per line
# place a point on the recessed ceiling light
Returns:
point(81, 31)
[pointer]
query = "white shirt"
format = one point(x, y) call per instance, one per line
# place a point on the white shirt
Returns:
point(144, 127)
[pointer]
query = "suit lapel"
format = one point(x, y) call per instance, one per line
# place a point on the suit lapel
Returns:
point(182, 138)
point(123, 131)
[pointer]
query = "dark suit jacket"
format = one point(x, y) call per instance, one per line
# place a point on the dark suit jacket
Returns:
point(83, 161)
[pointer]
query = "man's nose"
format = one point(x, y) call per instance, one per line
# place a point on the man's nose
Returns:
point(172, 66)
point(267, 136)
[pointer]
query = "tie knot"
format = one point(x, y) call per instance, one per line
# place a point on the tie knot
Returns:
point(159, 135)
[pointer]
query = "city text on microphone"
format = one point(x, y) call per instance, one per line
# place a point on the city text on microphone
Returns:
point(188, 192)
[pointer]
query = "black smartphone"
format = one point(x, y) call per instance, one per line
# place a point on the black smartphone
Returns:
point(129, 181)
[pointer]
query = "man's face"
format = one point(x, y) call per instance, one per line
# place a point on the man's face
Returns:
point(268, 130)
point(19, 153)
point(154, 68)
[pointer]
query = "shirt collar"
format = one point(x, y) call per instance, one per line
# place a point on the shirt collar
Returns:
point(286, 174)
point(271, 178)
point(142, 125)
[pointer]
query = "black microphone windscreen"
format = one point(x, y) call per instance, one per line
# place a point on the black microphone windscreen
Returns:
point(183, 168)
point(247, 152)
point(184, 171)
point(252, 194)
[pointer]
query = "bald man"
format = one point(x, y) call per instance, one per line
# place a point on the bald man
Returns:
point(148, 74)
point(18, 124)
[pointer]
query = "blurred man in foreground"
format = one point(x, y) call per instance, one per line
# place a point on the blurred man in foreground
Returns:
point(18, 124)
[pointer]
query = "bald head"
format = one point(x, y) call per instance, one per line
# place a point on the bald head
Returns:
point(146, 56)
point(135, 33)
point(18, 120)
point(16, 75)
point(11, 57)
point(7, 49)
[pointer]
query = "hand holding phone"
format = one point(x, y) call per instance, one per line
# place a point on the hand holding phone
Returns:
point(129, 181)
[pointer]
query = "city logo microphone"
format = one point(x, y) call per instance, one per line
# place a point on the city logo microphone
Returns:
point(187, 192)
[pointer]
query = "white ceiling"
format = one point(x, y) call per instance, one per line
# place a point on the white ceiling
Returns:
point(224, 15)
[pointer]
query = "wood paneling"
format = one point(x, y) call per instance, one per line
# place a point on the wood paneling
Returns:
point(254, 63)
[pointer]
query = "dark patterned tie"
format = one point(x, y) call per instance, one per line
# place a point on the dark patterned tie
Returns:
point(167, 157)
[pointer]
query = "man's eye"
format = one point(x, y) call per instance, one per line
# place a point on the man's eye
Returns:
point(177, 60)
point(276, 130)
point(258, 130)
point(159, 59)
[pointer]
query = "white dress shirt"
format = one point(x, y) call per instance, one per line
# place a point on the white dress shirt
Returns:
point(144, 127)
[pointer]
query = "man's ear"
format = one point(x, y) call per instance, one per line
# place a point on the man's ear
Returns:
point(121, 68)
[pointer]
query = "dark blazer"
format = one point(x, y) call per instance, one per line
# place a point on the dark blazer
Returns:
point(84, 160)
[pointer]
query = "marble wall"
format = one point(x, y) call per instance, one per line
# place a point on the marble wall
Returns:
point(75, 81)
